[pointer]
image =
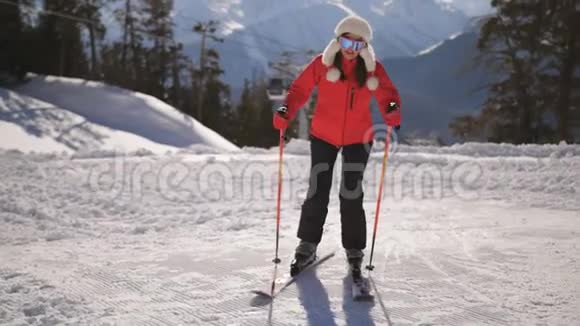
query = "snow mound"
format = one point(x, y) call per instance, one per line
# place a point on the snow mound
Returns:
point(13, 136)
point(121, 109)
point(302, 147)
point(30, 125)
point(498, 150)
point(298, 147)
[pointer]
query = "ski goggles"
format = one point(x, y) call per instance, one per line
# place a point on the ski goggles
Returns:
point(347, 43)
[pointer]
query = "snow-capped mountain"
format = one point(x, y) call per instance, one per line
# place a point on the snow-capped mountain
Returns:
point(472, 8)
point(440, 83)
point(257, 31)
point(239, 14)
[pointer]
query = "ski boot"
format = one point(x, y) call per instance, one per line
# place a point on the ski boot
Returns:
point(360, 286)
point(305, 255)
point(355, 259)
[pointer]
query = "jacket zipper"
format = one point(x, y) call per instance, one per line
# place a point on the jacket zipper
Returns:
point(345, 113)
point(351, 97)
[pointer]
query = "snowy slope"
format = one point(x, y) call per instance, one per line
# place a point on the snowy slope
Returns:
point(28, 124)
point(119, 109)
point(12, 136)
point(477, 234)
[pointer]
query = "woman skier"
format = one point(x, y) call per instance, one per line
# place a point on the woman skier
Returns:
point(347, 75)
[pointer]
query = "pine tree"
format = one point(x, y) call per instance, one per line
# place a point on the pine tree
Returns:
point(147, 58)
point(158, 26)
point(11, 30)
point(216, 100)
point(124, 60)
point(561, 77)
point(179, 65)
point(60, 40)
point(467, 128)
point(267, 136)
point(207, 31)
point(245, 110)
point(255, 116)
point(91, 11)
point(511, 41)
point(532, 46)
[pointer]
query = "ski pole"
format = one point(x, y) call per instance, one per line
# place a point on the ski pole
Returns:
point(277, 260)
point(370, 266)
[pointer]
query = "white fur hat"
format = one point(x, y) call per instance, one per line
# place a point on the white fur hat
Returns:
point(355, 25)
point(358, 26)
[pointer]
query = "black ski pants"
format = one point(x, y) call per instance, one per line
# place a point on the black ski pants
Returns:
point(315, 207)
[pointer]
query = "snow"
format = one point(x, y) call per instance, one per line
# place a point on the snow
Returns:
point(231, 26)
point(431, 48)
point(135, 114)
point(15, 137)
point(498, 150)
point(470, 150)
point(29, 124)
point(470, 234)
point(472, 8)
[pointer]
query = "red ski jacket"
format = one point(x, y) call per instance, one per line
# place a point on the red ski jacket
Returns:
point(342, 115)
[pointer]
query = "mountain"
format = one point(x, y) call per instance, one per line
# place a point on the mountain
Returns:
point(78, 115)
point(472, 8)
point(257, 31)
point(440, 83)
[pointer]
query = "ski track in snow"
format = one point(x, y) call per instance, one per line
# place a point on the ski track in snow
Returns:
point(182, 239)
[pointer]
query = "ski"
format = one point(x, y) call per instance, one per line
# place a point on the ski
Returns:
point(292, 279)
point(361, 289)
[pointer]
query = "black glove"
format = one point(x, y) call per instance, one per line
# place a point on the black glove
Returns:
point(280, 119)
point(392, 107)
point(283, 111)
